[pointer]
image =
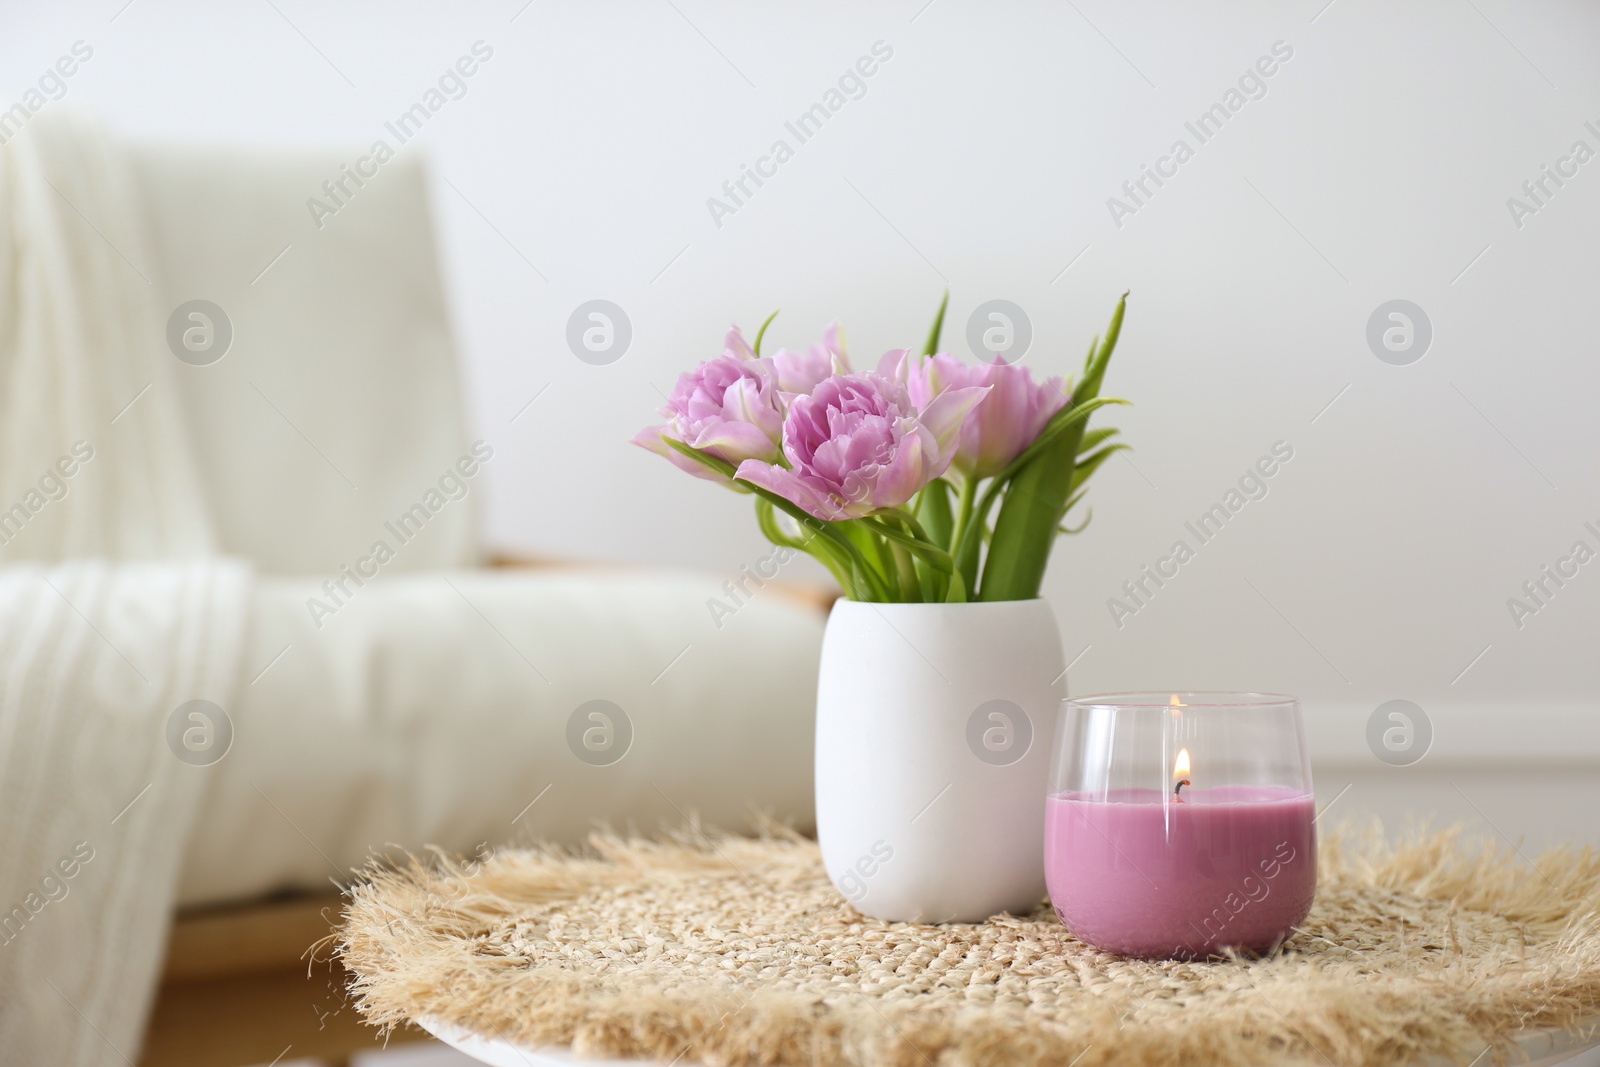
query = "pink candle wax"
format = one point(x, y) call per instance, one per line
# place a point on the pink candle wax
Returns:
point(1136, 873)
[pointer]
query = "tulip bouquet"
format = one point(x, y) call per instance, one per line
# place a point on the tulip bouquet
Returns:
point(889, 476)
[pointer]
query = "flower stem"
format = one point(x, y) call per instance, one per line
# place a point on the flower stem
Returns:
point(819, 548)
point(969, 493)
point(871, 585)
point(906, 571)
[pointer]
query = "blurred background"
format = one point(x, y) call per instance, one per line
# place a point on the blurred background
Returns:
point(1359, 258)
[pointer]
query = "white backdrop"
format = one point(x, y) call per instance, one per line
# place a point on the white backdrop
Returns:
point(1375, 163)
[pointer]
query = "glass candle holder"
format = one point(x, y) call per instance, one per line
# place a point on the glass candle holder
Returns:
point(1181, 825)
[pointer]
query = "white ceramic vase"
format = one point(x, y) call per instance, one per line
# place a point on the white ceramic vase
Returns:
point(935, 725)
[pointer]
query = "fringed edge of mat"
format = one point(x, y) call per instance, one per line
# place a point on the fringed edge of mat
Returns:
point(439, 908)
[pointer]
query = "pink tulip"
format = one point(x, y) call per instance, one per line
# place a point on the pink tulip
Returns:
point(857, 444)
point(728, 407)
point(799, 372)
point(732, 406)
point(1013, 414)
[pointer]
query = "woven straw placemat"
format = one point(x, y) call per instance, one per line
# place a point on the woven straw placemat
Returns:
point(738, 951)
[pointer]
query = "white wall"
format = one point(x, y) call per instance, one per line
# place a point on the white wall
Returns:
point(1376, 166)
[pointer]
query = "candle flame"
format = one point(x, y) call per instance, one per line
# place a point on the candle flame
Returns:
point(1176, 702)
point(1180, 767)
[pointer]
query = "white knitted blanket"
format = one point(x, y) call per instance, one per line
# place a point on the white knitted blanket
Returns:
point(114, 615)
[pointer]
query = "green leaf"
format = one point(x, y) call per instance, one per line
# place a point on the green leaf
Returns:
point(1078, 529)
point(932, 344)
point(1068, 420)
point(934, 515)
point(1089, 464)
point(1092, 438)
point(756, 348)
point(909, 521)
point(865, 583)
point(1063, 422)
point(933, 511)
point(767, 520)
point(957, 592)
point(935, 555)
point(819, 548)
point(1094, 370)
point(1073, 500)
point(1026, 527)
point(874, 554)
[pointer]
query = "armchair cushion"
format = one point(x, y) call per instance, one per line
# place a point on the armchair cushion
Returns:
point(451, 708)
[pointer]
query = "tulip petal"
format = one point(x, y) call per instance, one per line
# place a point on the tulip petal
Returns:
point(907, 471)
point(750, 401)
point(893, 365)
point(734, 441)
point(833, 344)
point(945, 414)
point(650, 439)
point(735, 345)
point(792, 487)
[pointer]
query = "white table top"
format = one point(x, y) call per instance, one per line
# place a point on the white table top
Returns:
point(1543, 1048)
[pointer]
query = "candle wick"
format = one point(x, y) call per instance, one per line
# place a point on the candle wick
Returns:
point(1180, 785)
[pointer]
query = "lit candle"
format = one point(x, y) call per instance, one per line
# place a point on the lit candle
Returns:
point(1184, 859)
